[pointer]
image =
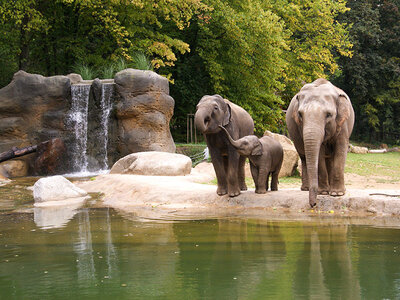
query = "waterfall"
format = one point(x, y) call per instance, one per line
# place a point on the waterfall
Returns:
point(107, 90)
point(79, 118)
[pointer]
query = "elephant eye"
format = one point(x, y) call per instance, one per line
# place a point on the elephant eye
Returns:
point(300, 115)
point(328, 115)
point(216, 107)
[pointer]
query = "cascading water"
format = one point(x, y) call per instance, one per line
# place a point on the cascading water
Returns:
point(79, 118)
point(107, 90)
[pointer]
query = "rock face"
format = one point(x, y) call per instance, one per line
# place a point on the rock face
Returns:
point(153, 163)
point(51, 158)
point(32, 110)
point(290, 156)
point(56, 188)
point(144, 109)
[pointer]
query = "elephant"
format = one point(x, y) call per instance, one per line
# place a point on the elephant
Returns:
point(266, 157)
point(320, 119)
point(212, 111)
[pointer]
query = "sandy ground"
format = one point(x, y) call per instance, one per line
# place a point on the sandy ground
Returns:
point(191, 196)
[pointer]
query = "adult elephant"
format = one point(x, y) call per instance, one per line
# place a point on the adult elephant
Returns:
point(212, 112)
point(320, 120)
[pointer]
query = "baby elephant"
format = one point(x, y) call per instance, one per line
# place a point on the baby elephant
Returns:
point(265, 155)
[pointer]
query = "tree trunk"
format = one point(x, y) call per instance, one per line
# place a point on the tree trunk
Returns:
point(15, 152)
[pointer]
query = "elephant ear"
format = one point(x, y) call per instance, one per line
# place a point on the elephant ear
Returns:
point(343, 110)
point(227, 114)
point(295, 110)
point(258, 149)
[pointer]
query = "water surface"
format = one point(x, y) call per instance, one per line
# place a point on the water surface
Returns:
point(100, 254)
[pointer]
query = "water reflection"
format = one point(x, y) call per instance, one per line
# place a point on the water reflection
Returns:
point(54, 216)
point(100, 254)
point(86, 271)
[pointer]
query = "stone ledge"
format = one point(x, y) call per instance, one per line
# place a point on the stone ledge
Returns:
point(180, 195)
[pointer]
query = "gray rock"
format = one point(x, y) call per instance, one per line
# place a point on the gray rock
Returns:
point(153, 163)
point(144, 110)
point(140, 82)
point(56, 188)
point(75, 78)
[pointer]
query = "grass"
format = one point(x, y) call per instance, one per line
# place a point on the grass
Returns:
point(85, 71)
point(375, 164)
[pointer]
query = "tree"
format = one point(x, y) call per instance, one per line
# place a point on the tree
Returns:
point(315, 36)
point(371, 77)
point(240, 45)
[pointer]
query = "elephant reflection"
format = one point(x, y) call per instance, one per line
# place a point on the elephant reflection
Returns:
point(259, 259)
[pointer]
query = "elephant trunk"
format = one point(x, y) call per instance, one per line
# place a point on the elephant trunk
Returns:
point(234, 143)
point(312, 144)
point(201, 120)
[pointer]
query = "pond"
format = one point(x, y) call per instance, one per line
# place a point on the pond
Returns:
point(99, 253)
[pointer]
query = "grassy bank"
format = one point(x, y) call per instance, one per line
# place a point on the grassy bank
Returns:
point(385, 165)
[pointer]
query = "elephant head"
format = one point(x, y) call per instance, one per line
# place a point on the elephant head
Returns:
point(320, 110)
point(212, 112)
point(247, 145)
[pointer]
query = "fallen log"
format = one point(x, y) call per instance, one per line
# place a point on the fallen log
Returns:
point(16, 152)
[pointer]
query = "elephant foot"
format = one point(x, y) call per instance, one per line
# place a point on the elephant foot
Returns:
point(222, 191)
point(323, 192)
point(304, 188)
point(274, 188)
point(337, 193)
point(234, 193)
point(243, 187)
point(260, 191)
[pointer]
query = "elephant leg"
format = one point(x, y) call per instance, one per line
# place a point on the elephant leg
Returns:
point(275, 177)
point(218, 164)
point(274, 180)
point(241, 173)
point(338, 164)
point(323, 180)
point(304, 176)
point(254, 174)
point(263, 176)
point(232, 174)
point(267, 181)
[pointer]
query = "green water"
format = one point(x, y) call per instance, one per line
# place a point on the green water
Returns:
point(99, 254)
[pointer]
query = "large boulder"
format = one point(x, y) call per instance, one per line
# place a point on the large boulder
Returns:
point(290, 156)
point(56, 189)
point(144, 110)
point(153, 163)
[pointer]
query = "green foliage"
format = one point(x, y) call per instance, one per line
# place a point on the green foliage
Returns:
point(315, 38)
point(256, 53)
point(371, 77)
point(242, 46)
point(107, 71)
point(141, 62)
point(85, 71)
